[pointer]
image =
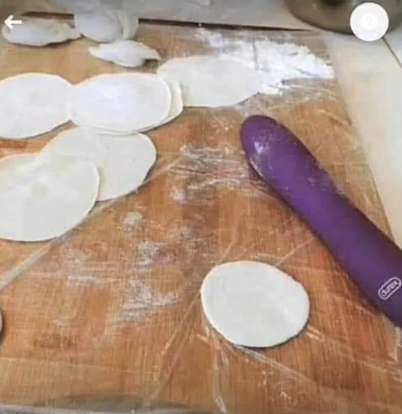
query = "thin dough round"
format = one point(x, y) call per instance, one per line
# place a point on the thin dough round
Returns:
point(123, 162)
point(44, 197)
point(100, 27)
point(121, 103)
point(126, 53)
point(176, 109)
point(32, 104)
point(253, 304)
point(212, 82)
point(39, 32)
point(130, 24)
point(107, 24)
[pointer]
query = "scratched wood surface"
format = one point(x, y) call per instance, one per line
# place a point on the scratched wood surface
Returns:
point(113, 308)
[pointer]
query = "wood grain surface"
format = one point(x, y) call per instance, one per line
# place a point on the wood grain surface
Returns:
point(112, 309)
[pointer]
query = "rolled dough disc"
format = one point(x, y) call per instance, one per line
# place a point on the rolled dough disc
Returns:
point(176, 108)
point(121, 103)
point(253, 304)
point(123, 162)
point(32, 104)
point(100, 27)
point(125, 53)
point(39, 32)
point(44, 197)
point(212, 82)
point(129, 22)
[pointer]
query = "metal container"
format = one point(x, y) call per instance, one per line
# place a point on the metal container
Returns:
point(335, 14)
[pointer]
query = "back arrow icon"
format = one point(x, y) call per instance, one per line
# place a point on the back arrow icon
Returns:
point(10, 22)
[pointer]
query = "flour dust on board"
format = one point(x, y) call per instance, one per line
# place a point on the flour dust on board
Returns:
point(278, 63)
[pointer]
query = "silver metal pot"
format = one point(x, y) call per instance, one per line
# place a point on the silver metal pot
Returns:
point(335, 14)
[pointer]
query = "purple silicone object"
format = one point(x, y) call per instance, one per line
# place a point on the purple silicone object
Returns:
point(370, 258)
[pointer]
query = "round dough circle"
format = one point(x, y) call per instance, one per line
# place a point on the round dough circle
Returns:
point(39, 32)
point(125, 53)
point(253, 304)
point(32, 104)
point(130, 24)
point(100, 27)
point(126, 102)
point(212, 82)
point(176, 109)
point(123, 162)
point(1, 322)
point(44, 197)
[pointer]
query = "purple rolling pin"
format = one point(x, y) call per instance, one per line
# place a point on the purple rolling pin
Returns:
point(370, 258)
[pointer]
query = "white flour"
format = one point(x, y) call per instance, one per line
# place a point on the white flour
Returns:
point(203, 170)
point(147, 252)
point(277, 62)
point(140, 299)
point(178, 194)
point(133, 219)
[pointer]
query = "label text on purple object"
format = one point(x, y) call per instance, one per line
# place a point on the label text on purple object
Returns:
point(389, 288)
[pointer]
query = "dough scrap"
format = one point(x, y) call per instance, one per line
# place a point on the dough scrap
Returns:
point(123, 162)
point(32, 104)
point(39, 32)
point(44, 197)
point(253, 304)
point(100, 27)
point(120, 103)
point(125, 53)
point(212, 82)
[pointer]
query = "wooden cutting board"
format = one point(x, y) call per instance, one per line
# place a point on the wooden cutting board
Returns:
point(113, 308)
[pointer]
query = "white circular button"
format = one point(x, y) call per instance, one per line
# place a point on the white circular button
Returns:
point(369, 22)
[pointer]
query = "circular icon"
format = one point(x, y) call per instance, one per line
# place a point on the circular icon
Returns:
point(369, 22)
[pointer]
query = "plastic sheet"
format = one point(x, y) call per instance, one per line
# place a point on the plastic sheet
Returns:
point(112, 309)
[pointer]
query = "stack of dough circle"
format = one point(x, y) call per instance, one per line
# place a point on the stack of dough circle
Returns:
point(120, 103)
